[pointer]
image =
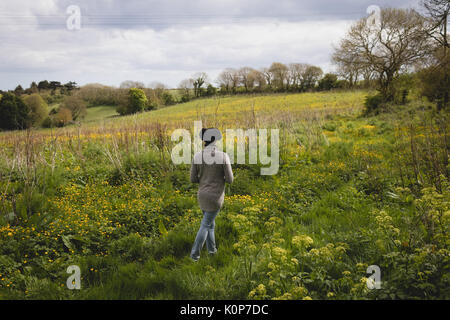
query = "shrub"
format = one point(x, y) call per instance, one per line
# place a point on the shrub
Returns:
point(122, 109)
point(63, 117)
point(402, 86)
point(185, 98)
point(211, 90)
point(38, 108)
point(75, 105)
point(167, 98)
point(15, 114)
point(373, 104)
point(136, 100)
point(151, 105)
point(99, 95)
point(47, 123)
point(435, 84)
point(328, 82)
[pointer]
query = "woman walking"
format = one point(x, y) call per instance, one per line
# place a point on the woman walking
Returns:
point(210, 168)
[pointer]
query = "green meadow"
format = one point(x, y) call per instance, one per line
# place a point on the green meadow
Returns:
point(100, 112)
point(352, 191)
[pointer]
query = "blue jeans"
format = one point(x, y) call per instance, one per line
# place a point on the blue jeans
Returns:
point(205, 233)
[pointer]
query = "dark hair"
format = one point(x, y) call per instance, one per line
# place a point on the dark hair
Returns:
point(212, 135)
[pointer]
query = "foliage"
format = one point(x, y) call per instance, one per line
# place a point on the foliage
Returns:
point(38, 108)
point(435, 83)
point(137, 102)
point(62, 117)
point(167, 98)
point(15, 114)
point(328, 82)
point(374, 103)
point(383, 49)
point(75, 105)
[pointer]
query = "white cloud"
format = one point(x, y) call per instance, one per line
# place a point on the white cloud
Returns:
point(33, 50)
point(143, 54)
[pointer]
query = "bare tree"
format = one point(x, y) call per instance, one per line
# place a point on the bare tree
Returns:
point(257, 79)
point(128, 84)
point(268, 76)
point(228, 79)
point(186, 86)
point(279, 75)
point(200, 79)
point(244, 78)
point(311, 76)
point(157, 85)
point(295, 74)
point(438, 11)
point(348, 64)
point(367, 75)
point(388, 47)
point(224, 80)
point(437, 73)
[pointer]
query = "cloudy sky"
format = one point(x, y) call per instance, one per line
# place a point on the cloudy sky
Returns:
point(167, 40)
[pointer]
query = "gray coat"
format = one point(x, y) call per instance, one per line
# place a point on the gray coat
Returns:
point(211, 168)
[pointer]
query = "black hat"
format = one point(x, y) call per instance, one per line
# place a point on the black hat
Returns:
point(210, 135)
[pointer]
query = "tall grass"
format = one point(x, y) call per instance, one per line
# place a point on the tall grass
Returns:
point(350, 192)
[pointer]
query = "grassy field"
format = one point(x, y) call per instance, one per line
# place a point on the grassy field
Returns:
point(100, 112)
point(238, 109)
point(93, 113)
point(351, 192)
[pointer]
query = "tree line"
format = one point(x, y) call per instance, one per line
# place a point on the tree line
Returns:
point(52, 104)
point(279, 77)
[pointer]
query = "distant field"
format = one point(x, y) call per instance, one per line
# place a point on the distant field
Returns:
point(238, 109)
point(100, 112)
point(93, 113)
point(234, 105)
point(241, 111)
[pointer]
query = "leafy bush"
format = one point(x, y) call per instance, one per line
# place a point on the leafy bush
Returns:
point(167, 98)
point(136, 100)
point(63, 117)
point(434, 83)
point(15, 114)
point(38, 108)
point(373, 104)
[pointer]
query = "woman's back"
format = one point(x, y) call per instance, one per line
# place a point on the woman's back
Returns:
point(211, 168)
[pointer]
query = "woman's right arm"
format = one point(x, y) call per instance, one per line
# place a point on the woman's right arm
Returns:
point(227, 169)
